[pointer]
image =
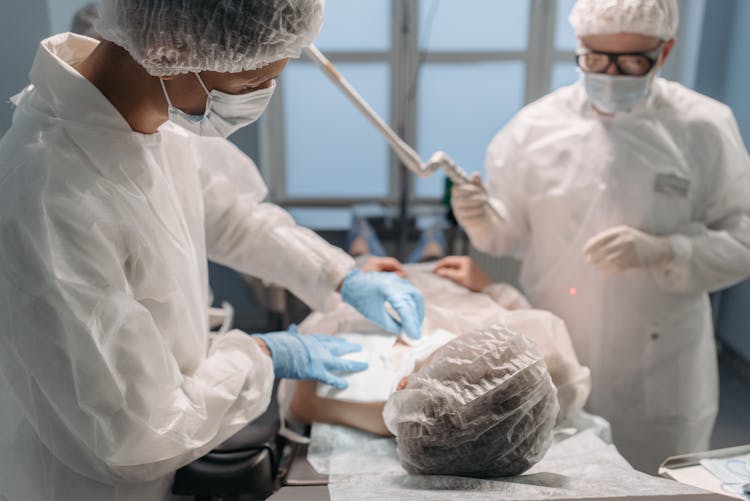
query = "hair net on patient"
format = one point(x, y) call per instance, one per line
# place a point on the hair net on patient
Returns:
point(483, 406)
point(657, 18)
point(169, 37)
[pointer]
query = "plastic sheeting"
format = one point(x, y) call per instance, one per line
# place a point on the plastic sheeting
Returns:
point(450, 310)
point(365, 467)
point(483, 406)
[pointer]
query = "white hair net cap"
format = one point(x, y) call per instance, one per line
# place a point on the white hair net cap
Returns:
point(169, 37)
point(483, 406)
point(657, 18)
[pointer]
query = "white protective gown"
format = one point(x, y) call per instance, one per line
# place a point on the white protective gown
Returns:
point(109, 379)
point(674, 166)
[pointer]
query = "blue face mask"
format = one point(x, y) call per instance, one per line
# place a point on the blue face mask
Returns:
point(616, 93)
point(225, 113)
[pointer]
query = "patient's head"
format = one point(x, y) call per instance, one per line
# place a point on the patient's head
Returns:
point(483, 406)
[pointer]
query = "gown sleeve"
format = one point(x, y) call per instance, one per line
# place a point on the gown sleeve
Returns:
point(713, 251)
point(505, 184)
point(262, 240)
point(87, 363)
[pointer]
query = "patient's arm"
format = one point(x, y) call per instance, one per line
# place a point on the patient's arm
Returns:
point(309, 408)
point(465, 272)
point(385, 264)
point(460, 312)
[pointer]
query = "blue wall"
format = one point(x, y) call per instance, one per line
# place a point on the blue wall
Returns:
point(737, 80)
point(61, 13)
point(21, 26)
point(713, 61)
point(723, 72)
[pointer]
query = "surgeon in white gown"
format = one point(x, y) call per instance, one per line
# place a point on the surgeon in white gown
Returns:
point(628, 198)
point(115, 188)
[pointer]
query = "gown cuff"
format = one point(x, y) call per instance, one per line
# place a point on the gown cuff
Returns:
point(673, 275)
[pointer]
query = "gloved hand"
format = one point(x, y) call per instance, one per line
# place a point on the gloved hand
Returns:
point(313, 356)
point(622, 247)
point(470, 204)
point(368, 293)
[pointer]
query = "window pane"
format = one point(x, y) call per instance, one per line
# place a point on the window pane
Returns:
point(323, 218)
point(460, 109)
point(482, 25)
point(331, 149)
point(564, 74)
point(61, 13)
point(565, 38)
point(344, 19)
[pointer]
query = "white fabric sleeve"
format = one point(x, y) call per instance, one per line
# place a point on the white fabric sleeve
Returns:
point(262, 240)
point(714, 252)
point(92, 371)
point(506, 188)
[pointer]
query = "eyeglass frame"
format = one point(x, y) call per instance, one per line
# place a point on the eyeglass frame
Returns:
point(614, 55)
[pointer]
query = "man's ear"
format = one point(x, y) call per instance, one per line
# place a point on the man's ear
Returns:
point(668, 46)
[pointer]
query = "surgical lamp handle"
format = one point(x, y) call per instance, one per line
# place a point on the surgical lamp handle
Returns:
point(441, 160)
point(459, 176)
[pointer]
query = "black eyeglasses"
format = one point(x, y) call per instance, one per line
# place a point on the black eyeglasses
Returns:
point(627, 63)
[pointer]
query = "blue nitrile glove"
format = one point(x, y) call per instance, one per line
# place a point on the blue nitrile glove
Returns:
point(313, 356)
point(369, 291)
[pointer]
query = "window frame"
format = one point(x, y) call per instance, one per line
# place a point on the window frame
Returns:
point(403, 57)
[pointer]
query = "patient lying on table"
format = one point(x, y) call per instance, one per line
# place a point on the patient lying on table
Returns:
point(486, 382)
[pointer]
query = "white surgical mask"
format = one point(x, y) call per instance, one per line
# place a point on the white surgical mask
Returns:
point(616, 93)
point(225, 113)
